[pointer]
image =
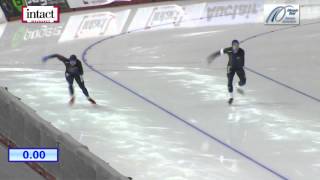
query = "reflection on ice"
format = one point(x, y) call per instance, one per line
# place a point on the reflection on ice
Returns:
point(12, 69)
point(197, 34)
point(310, 150)
point(156, 67)
point(210, 87)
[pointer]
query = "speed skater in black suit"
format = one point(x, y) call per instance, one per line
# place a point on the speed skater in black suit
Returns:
point(235, 66)
point(74, 71)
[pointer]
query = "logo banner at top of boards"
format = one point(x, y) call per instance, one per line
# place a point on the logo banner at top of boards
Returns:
point(87, 3)
point(61, 3)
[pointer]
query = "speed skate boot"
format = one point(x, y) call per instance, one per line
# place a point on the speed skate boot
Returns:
point(91, 100)
point(71, 102)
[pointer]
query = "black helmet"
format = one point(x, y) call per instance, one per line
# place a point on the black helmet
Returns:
point(235, 42)
point(73, 57)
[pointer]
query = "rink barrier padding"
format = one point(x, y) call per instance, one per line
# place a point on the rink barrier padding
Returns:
point(20, 126)
point(35, 166)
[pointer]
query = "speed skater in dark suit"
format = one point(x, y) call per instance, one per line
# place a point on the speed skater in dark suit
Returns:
point(235, 66)
point(74, 71)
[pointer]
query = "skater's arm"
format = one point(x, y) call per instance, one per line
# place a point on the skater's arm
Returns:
point(225, 50)
point(221, 52)
point(60, 57)
point(216, 54)
point(212, 57)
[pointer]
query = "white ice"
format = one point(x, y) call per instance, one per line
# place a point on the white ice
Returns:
point(272, 124)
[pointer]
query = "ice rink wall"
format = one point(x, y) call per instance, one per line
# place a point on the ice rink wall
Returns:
point(21, 126)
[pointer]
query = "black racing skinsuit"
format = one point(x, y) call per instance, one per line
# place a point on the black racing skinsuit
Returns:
point(235, 66)
point(73, 72)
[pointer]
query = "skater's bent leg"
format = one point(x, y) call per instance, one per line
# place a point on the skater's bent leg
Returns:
point(242, 76)
point(71, 90)
point(82, 86)
point(70, 79)
point(230, 76)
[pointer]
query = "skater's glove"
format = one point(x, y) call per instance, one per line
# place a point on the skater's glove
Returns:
point(45, 59)
point(213, 56)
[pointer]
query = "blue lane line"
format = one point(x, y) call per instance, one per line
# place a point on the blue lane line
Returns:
point(283, 84)
point(85, 60)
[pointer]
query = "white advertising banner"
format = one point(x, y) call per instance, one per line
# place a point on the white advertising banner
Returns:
point(158, 17)
point(87, 3)
point(233, 12)
point(198, 14)
point(193, 13)
point(94, 25)
point(282, 14)
point(310, 12)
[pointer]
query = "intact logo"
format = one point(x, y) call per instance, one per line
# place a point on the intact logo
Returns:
point(282, 14)
point(40, 14)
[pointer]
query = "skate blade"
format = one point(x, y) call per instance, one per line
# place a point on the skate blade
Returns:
point(92, 102)
point(230, 101)
point(71, 102)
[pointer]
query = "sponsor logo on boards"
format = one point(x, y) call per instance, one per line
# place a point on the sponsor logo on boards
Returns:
point(40, 14)
point(282, 14)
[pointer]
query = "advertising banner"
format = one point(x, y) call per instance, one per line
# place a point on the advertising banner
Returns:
point(282, 14)
point(87, 3)
point(234, 12)
point(157, 17)
point(19, 38)
point(198, 15)
point(94, 25)
point(61, 3)
point(40, 14)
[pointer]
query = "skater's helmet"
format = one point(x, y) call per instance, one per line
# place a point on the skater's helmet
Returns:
point(73, 59)
point(235, 45)
point(235, 42)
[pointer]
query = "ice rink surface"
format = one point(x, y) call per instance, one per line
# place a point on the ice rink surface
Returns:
point(162, 112)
